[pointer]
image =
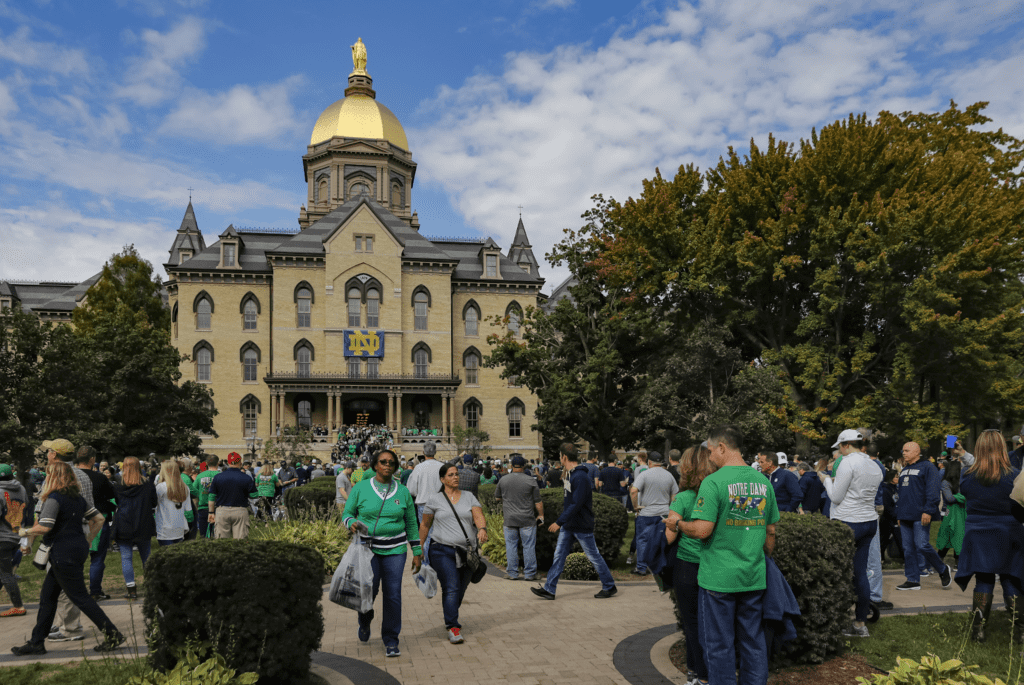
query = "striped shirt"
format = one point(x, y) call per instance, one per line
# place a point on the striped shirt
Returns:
point(389, 514)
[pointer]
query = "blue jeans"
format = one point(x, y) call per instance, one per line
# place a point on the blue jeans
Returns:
point(875, 567)
point(202, 521)
point(731, 620)
point(684, 580)
point(99, 560)
point(127, 567)
point(916, 542)
point(986, 583)
point(452, 580)
point(387, 575)
point(168, 543)
point(589, 545)
point(863, 533)
point(528, 534)
point(644, 524)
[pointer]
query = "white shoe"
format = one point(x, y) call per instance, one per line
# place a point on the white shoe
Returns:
point(455, 636)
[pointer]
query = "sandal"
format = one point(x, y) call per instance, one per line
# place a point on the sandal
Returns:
point(14, 611)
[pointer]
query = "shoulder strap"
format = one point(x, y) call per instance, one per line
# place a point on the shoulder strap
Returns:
point(457, 519)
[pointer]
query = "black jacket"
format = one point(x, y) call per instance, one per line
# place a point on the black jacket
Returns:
point(134, 520)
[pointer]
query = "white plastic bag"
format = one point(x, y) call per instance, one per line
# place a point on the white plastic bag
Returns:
point(352, 584)
point(426, 580)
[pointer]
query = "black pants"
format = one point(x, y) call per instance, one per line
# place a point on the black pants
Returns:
point(69, 578)
point(10, 583)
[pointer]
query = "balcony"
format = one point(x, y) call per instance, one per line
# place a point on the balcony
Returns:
point(361, 378)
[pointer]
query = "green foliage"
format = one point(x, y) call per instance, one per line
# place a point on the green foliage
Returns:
point(128, 280)
point(485, 493)
point(326, 535)
point(815, 554)
point(310, 502)
point(494, 548)
point(930, 670)
point(255, 602)
point(294, 443)
point(194, 668)
point(471, 440)
point(578, 567)
point(610, 524)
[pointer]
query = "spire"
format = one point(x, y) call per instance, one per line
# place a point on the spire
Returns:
point(188, 222)
point(521, 240)
point(188, 242)
point(521, 252)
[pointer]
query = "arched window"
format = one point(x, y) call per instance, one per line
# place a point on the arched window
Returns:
point(250, 407)
point(354, 311)
point(304, 411)
point(471, 360)
point(472, 317)
point(420, 302)
point(303, 353)
point(372, 308)
point(515, 316)
point(204, 310)
point(396, 196)
point(249, 365)
point(304, 300)
point(514, 410)
point(174, 319)
point(358, 190)
point(322, 195)
point(472, 411)
point(421, 359)
point(249, 317)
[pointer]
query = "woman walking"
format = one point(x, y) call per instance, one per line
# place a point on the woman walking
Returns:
point(694, 466)
point(134, 525)
point(993, 539)
point(382, 509)
point(173, 502)
point(60, 524)
point(454, 519)
point(951, 532)
point(13, 499)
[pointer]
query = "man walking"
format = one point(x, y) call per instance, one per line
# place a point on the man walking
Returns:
point(424, 482)
point(919, 490)
point(576, 524)
point(652, 493)
point(521, 504)
point(735, 514)
point(229, 494)
point(468, 478)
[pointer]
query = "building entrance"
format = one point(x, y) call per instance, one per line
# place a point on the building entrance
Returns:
point(364, 412)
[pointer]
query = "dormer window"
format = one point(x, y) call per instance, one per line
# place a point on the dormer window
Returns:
point(184, 255)
point(492, 265)
point(229, 254)
point(5, 304)
point(525, 266)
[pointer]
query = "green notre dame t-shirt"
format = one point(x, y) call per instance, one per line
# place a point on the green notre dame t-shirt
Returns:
point(689, 548)
point(265, 485)
point(201, 486)
point(741, 503)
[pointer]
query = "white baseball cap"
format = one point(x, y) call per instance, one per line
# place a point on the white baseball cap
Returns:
point(848, 435)
point(782, 458)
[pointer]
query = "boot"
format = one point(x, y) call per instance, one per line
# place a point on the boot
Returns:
point(979, 612)
point(1015, 607)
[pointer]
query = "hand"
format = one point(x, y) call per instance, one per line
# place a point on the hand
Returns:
point(417, 562)
point(211, 517)
point(822, 476)
point(482, 535)
point(553, 528)
point(926, 519)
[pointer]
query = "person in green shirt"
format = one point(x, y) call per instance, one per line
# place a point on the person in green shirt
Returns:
point(201, 489)
point(185, 465)
point(735, 513)
point(694, 466)
point(363, 470)
point(266, 487)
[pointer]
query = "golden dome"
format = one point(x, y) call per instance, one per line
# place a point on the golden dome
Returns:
point(359, 116)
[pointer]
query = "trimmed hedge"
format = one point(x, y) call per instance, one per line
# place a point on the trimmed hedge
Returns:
point(485, 493)
point(310, 501)
point(323, 482)
point(578, 567)
point(610, 525)
point(256, 602)
point(815, 554)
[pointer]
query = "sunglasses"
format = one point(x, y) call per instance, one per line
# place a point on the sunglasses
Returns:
point(386, 462)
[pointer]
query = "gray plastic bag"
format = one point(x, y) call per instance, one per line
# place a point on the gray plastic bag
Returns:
point(352, 584)
point(426, 580)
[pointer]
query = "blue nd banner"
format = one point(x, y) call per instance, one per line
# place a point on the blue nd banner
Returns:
point(364, 344)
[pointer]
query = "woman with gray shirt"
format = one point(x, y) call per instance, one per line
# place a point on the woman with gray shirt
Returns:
point(449, 544)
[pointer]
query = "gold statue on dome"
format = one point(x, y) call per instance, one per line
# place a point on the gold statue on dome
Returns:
point(359, 57)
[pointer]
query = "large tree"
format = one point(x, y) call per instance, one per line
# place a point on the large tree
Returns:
point(126, 279)
point(876, 267)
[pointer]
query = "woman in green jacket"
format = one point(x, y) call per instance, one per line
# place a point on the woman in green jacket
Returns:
point(382, 510)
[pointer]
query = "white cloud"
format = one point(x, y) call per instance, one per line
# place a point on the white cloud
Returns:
point(552, 129)
point(555, 4)
point(20, 48)
point(7, 103)
point(153, 77)
point(243, 114)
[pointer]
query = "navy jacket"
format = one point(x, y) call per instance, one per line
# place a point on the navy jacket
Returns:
point(811, 487)
point(920, 487)
point(577, 505)
point(1017, 458)
point(787, 489)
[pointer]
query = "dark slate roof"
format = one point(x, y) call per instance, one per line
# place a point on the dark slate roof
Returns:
point(188, 222)
point(252, 254)
point(561, 292)
point(471, 267)
point(521, 251)
point(5, 289)
point(188, 237)
point(49, 296)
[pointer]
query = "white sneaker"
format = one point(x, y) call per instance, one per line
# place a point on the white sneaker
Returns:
point(455, 636)
point(629, 560)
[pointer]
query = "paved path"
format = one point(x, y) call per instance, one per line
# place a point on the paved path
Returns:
point(511, 635)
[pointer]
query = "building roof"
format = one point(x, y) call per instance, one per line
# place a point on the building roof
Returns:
point(48, 295)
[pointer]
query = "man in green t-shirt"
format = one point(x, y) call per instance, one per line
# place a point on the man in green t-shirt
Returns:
point(735, 514)
point(201, 489)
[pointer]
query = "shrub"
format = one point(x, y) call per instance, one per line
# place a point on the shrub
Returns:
point(494, 548)
point(931, 670)
point(485, 494)
point(815, 554)
point(327, 536)
point(191, 669)
point(578, 567)
point(310, 502)
point(327, 482)
point(256, 602)
point(610, 525)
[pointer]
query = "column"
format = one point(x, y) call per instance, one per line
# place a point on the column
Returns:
point(398, 410)
point(280, 411)
point(330, 411)
point(451, 405)
point(444, 414)
point(271, 413)
point(391, 413)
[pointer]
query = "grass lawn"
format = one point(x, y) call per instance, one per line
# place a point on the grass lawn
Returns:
point(107, 671)
point(946, 635)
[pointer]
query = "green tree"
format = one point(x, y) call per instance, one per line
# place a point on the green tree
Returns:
point(294, 444)
point(876, 267)
point(471, 440)
point(126, 279)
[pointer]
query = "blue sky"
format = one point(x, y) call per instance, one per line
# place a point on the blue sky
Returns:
point(110, 110)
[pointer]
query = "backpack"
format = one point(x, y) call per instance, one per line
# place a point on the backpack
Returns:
point(14, 513)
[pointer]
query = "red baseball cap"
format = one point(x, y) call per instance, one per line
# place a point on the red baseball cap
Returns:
point(234, 458)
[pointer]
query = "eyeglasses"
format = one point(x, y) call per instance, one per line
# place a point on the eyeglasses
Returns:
point(386, 462)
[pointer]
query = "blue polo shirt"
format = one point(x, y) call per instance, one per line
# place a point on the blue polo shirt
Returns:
point(232, 488)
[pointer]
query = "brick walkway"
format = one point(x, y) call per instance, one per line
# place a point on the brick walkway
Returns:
point(511, 636)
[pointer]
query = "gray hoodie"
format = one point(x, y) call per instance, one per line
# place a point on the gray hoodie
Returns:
point(14, 491)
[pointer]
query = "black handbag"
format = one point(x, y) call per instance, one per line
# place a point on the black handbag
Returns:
point(476, 564)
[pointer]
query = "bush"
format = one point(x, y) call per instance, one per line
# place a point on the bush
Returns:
point(192, 669)
point(578, 567)
point(931, 670)
point(494, 548)
point(815, 554)
point(310, 502)
point(327, 536)
point(485, 494)
point(610, 525)
point(255, 602)
point(326, 482)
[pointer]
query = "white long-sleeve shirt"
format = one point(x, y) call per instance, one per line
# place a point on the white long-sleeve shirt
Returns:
point(424, 480)
point(853, 492)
